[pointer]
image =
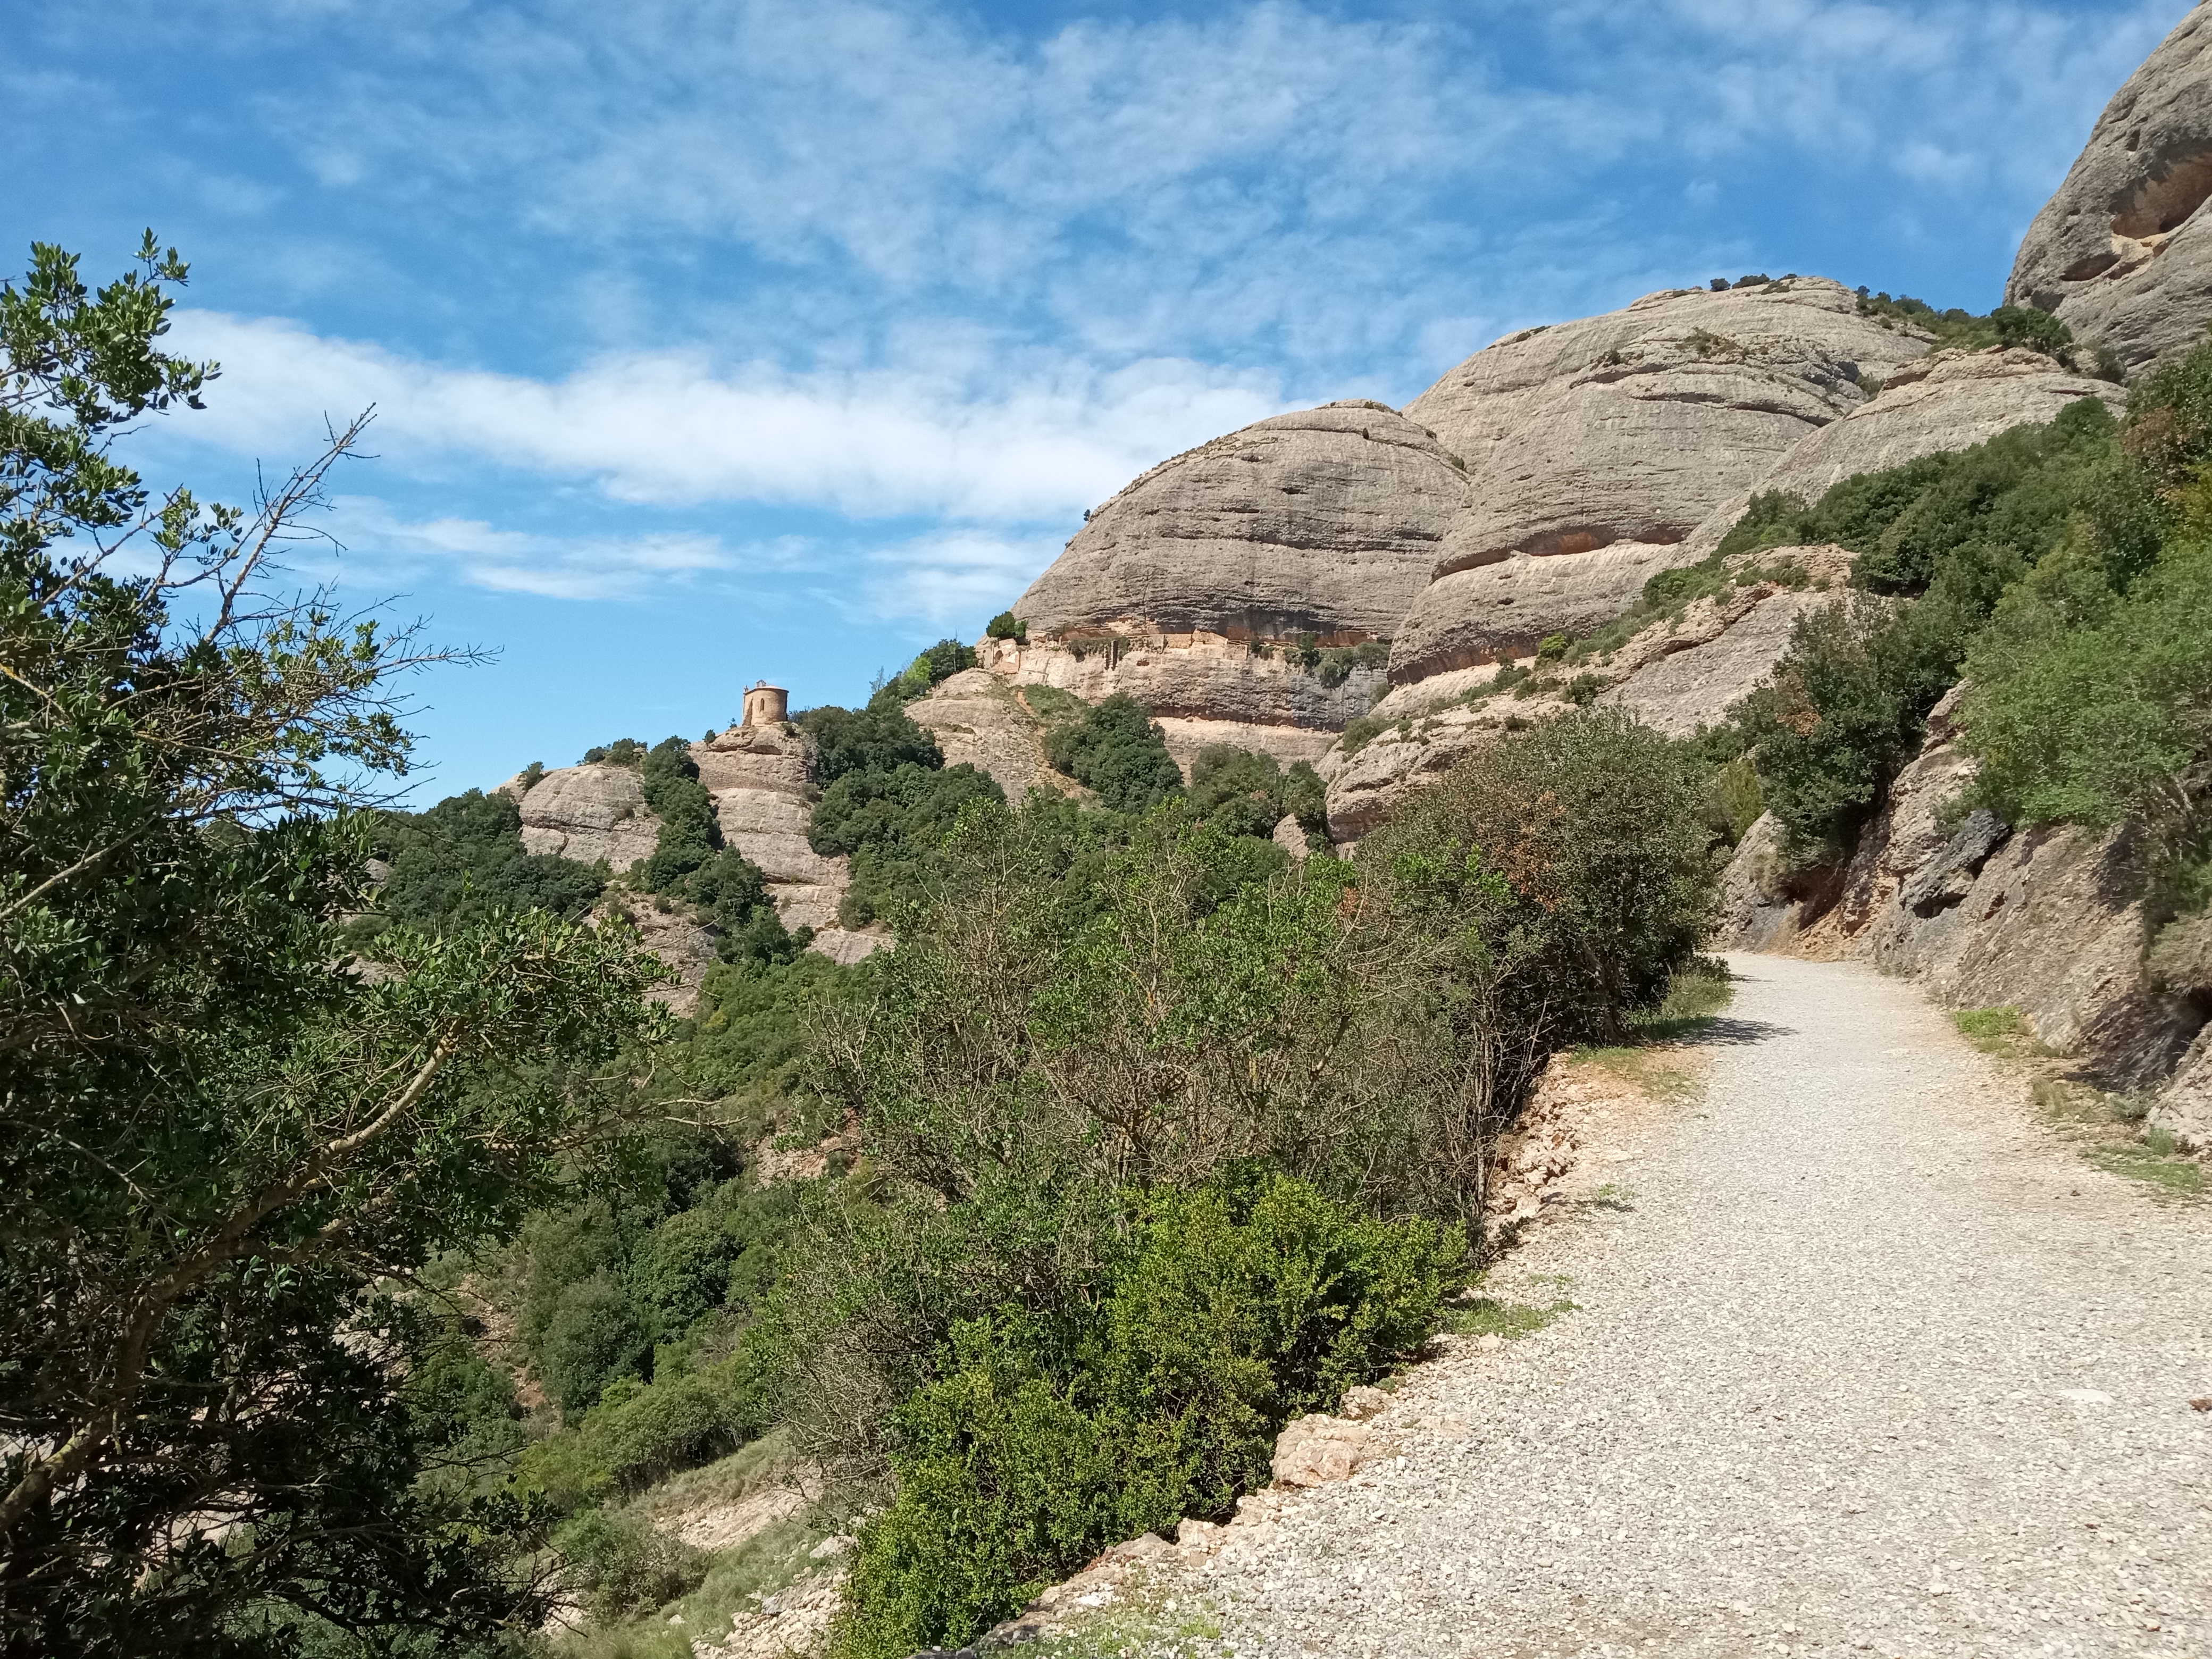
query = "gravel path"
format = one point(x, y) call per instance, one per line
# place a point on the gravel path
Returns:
point(1870, 1363)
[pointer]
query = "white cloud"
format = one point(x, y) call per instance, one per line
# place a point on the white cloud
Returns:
point(949, 578)
point(668, 429)
point(508, 560)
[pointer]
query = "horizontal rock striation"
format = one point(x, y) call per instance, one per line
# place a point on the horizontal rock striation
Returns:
point(1947, 401)
point(1191, 677)
point(2123, 254)
point(1325, 522)
point(588, 813)
point(1633, 426)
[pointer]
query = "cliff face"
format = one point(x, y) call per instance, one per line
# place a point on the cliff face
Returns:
point(2047, 921)
point(2123, 252)
point(1632, 426)
point(1326, 522)
point(1948, 400)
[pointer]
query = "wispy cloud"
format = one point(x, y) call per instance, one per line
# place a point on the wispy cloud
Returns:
point(667, 428)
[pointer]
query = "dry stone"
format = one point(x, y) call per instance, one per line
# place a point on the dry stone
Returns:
point(1314, 1450)
point(2123, 254)
point(588, 813)
point(2184, 1108)
point(1632, 427)
point(778, 758)
point(1201, 677)
point(1696, 686)
point(1326, 522)
point(1950, 400)
point(770, 827)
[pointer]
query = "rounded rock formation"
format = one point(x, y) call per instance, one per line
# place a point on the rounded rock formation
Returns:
point(1950, 400)
point(1633, 426)
point(2123, 254)
point(1326, 522)
point(1595, 448)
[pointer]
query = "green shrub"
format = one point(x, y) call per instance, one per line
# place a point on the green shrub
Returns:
point(889, 822)
point(590, 1338)
point(1249, 793)
point(689, 862)
point(2009, 326)
point(463, 859)
point(872, 739)
point(1116, 751)
point(2090, 705)
point(1229, 1309)
point(623, 751)
point(1007, 626)
point(1594, 827)
point(1333, 664)
point(624, 1564)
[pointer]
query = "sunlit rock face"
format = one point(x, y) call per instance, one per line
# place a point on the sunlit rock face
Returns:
point(2123, 254)
point(1326, 522)
point(1595, 448)
point(1948, 400)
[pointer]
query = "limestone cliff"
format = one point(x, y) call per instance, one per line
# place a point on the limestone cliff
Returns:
point(2123, 254)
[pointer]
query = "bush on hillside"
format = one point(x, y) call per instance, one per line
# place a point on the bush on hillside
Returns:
point(1228, 1310)
point(1116, 751)
point(463, 859)
point(1007, 626)
point(1594, 830)
point(1248, 794)
point(2092, 704)
point(1946, 535)
point(874, 739)
point(690, 862)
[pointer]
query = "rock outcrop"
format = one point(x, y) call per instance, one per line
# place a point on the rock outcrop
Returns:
point(588, 813)
point(1595, 448)
point(2123, 254)
point(2046, 920)
point(1676, 674)
point(1949, 400)
point(980, 720)
point(1202, 689)
point(1631, 426)
point(1325, 522)
point(1495, 612)
point(762, 779)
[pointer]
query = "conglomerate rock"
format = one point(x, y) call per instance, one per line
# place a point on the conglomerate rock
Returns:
point(1595, 448)
point(588, 813)
point(2123, 254)
point(1949, 400)
point(1632, 426)
point(1325, 522)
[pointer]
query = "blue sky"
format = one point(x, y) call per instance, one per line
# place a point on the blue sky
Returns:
point(715, 339)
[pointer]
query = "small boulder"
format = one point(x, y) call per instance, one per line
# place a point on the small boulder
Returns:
point(1315, 1450)
point(1360, 1404)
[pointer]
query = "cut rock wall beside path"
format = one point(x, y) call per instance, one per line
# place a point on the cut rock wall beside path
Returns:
point(2045, 920)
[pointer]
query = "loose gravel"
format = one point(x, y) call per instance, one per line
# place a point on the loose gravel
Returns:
point(1869, 1363)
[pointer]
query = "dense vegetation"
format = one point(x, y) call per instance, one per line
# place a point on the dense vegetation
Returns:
point(373, 1250)
point(463, 861)
point(1116, 751)
point(1171, 1142)
point(225, 1148)
point(888, 798)
point(2058, 568)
